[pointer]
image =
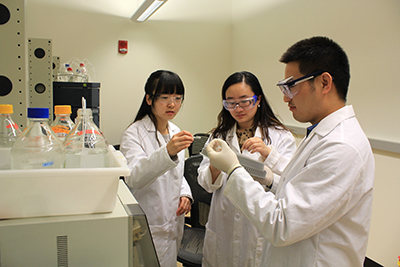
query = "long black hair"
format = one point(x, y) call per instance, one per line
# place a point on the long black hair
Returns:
point(264, 116)
point(159, 82)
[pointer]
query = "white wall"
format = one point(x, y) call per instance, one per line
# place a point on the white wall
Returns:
point(204, 41)
point(368, 30)
point(196, 49)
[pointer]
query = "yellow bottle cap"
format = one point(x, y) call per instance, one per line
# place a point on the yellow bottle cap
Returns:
point(62, 109)
point(6, 109)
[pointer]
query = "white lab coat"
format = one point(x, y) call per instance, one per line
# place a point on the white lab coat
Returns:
point(157, 183)
point(231, 239)
point(320, 214)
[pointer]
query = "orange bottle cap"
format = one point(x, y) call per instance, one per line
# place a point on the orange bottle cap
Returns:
point(6, 109)
point(62, 109)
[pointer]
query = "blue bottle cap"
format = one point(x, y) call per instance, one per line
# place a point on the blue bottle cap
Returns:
point(38, 113)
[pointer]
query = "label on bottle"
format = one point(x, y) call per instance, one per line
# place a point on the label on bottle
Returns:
point(86, 160)
point(47, 164)
point(61, 131)
point(89, 132)
point(15, 126)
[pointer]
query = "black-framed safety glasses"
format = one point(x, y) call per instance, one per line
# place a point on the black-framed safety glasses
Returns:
point(287, 85)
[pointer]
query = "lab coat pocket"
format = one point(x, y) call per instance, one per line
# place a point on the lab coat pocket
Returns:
point(210, 249)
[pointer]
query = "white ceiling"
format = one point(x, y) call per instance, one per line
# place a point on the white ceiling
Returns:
point(172, 10)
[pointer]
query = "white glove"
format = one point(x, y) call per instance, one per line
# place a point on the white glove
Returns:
point(268, 180)
point(221, 156)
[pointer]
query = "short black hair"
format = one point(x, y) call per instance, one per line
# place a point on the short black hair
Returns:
point(321, 54)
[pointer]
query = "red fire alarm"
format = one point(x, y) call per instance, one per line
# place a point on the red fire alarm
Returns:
point(123, 47)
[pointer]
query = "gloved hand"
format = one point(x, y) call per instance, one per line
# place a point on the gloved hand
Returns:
point(268, 180)
point(221, 156)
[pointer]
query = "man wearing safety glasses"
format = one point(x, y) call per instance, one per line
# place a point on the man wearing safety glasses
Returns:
point(320, 213)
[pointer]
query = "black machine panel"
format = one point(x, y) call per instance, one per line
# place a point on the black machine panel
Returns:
point(71, 93)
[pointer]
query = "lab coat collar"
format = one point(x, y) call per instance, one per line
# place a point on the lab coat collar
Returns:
point(148, 124)
point(327, 124)
point(231, 137)
point(324, 127)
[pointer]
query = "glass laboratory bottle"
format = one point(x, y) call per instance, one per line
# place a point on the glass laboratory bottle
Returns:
point(62, 124)
point(70, 75)
point(38, 147)
point(82, 73)
point(85, 146)
point(63, 75)
point(9, 132)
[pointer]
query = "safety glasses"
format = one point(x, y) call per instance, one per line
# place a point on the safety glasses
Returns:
point(168, 99)
point(287, 85)
point(245, 104)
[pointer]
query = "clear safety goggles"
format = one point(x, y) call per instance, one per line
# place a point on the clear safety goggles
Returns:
point(287, 85)
point(245, 104)
point(168, 99)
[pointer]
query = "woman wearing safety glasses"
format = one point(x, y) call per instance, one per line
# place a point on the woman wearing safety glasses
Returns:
point(154, 149)
point(248, 124)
